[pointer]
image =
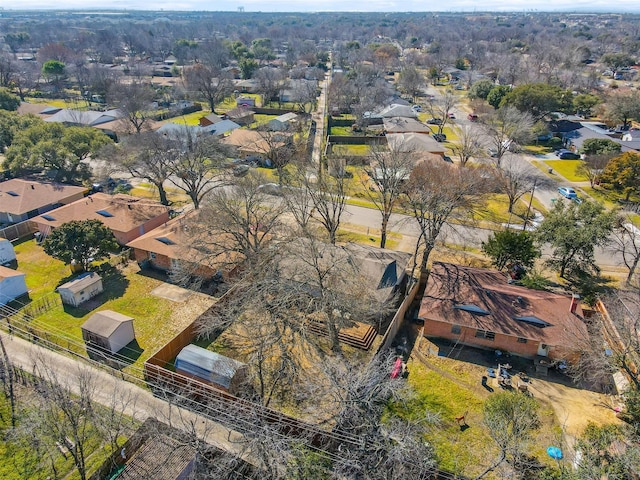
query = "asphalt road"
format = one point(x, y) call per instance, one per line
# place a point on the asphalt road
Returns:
point(136, 402)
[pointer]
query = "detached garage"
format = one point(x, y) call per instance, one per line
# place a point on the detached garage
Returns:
point(211, 367)
point(108, 330)
point(12, 285)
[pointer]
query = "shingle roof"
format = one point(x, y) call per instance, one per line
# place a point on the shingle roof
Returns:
point(159, 458)
point(19, 196)
point(120, 213)
point(81, 282)
point(414, 142)
point(105, 322)
point(453, 291)
point(404, 125)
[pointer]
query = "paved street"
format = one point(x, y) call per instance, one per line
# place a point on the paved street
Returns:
point(140, 403)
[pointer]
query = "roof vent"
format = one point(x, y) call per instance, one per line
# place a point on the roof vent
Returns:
point(533, 321)
point(49, 217)
point(104, 213)
point(12, 193)
point(166, 241)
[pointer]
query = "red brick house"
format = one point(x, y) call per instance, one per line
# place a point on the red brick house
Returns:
point(126, 216)
point(479, 307)
point(173, 245)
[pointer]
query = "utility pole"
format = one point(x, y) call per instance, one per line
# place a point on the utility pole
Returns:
point(533, 191)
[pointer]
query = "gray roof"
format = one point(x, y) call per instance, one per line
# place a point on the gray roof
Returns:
point(81, 282)
point(597, 130)
point(159, 458)
point(104, 323)
point(414, 142)
point(208, 365)
point(286, 117)
point(89, 118)
point(220, 127)
point(395, 110)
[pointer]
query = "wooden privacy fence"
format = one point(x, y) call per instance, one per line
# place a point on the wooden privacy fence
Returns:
point(396, 322)
point(18, 230)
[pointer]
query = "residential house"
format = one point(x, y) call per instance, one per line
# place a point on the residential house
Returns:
point(182, 243)
point(21, 200)
point(405, 125)
point(242, 116)
point(108, 331)
point(396, 110)
point(220, 128)
point(298, 89)
point(247, 86)
point(283, 122)
point(126, 216)
point(211, 367)
point(253, 144)
point(80, 289)
point(12, 285)
point(421, 144)
point(248, 102)
point(210, 119)
point(482, 308)
point(7, 253)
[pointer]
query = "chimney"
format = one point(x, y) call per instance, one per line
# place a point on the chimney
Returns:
point(91, 198)
point(574, 303)
point(33, 187)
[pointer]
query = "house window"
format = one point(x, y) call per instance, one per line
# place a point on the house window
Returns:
point(152, 255)
point(455, 329)
point(522, 340)
point(485, 334)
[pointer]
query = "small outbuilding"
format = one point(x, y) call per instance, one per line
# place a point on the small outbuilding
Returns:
point(108, 330)
point(80, 289)
point(211, 367)
point(12, 285)
point(7, 253)
point(283, 122)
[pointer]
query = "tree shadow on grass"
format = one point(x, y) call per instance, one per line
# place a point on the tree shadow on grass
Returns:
point(114, 285)
point(125, 357)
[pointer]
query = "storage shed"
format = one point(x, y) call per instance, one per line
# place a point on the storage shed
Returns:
point(80, 289)
point(7, 253)
point(108, 330)
point(211, 367)
point(12, 285)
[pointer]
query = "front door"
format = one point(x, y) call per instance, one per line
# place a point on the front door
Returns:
point(543, 349)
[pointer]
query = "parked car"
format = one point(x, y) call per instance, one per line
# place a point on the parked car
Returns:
point(270, 189)
point(439, 137)
point(447, 159)
point(493, 153)
point(434, 121)
point(568, 192)
point(568, 155)
point(416, 108)
point(472, 117)
point(452, 116)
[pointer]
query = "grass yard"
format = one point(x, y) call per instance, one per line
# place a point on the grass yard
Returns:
point(351, 150)
point(496, 210)
point(450, 388)
point(566, 168)
point(127, 291)
point(191, 119)
point(365, 236)
point(345, 131)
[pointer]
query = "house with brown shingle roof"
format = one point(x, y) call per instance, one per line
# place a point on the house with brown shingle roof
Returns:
point(251, 143)
point(181, 243)
point(241, 115)
point(481, 308)
point(126, 216)
point(21, 200)
point(404, 125)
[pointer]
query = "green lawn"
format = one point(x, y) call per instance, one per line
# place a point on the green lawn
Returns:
point(351, 150)
point(127, 291)
point(342, 131)
point(191, 119)
point(566, 168)
point(496, 210)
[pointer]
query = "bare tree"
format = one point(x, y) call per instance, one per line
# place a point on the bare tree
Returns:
point(507, 128)
point(390, 168)
point(625, 241)
point(514, 181)
point(441, 107)
point(592, 166)
point(438, 193)
point(281, 148)
point(329, 196)
point(133, 100)
point(197, 164)
point(411, 81)
point(146, 156)
point(468, 145)
point(511, 419)
point(270, 82)
point(213, 85)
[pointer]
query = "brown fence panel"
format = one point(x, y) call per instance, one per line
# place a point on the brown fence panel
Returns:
point(18, 230)
point(398, 318)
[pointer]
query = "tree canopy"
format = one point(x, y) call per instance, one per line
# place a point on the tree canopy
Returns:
point(573, 231)
point(622, 174)
point(510, 247)
point(80, 241)
point(538, 99)
point(8, 101)
point(56, 148)
point(600, 146)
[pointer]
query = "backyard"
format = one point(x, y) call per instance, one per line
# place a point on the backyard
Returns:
point(127, 290)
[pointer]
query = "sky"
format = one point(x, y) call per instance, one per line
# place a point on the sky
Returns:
point(335, 5)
